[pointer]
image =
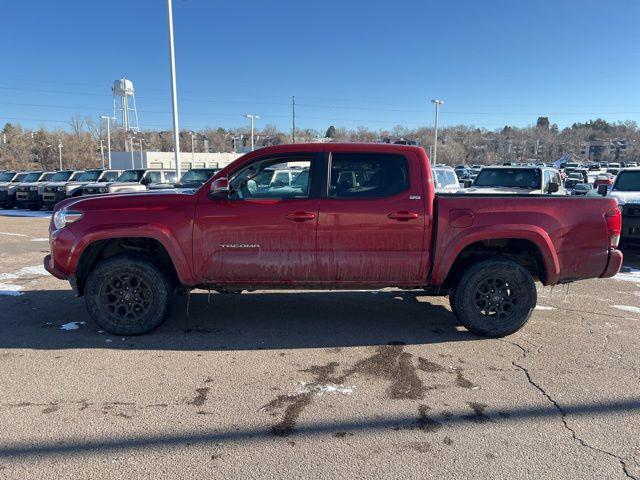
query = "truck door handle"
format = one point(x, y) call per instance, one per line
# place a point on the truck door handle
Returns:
point(403, 216)
point(300, 216)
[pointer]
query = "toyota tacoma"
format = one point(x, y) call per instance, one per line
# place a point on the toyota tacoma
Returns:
point(362, 216)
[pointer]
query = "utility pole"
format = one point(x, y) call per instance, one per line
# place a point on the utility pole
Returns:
point(174, 91)
point(252, 117)
point(435, 136)
point(141, 152)
point(108, 119)
point(133, 165)
point(293, 118)
point(60, 154)
point(102, 151)
point(193, 155)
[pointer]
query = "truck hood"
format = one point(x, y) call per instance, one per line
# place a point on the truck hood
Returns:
point(60, 184)
point(97, 184)
point(127, 201)
point(31, 184)
point(626, 197)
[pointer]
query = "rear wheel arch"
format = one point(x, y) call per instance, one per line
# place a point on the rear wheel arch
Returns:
point(522, 251)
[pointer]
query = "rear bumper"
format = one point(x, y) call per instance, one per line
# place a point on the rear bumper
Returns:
point(613, 265)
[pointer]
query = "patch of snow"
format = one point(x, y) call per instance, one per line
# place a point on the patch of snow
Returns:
point(322, 389)
point(23, 272)
point(10, 290)
point(24, 213)
point(72, 325)
point(628, 274)
point(544, 307)
point(14, 234)
point(35, 270)
point(627, 308)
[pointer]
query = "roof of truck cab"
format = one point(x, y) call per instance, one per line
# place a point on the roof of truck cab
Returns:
point(337, 146)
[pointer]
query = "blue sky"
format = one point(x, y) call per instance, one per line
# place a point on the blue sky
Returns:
point(348, 63)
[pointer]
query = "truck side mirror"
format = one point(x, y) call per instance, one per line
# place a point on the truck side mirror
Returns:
point(468, 183)
point(219, 188)
point(552, 187)
point(603, 189)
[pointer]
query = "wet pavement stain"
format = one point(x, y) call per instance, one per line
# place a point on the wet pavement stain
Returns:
point(462, 382)
point(447, 441)
point(425, 422)
point(201, 396)
point(392, 363)
point(478, 412)
point(286, 426)
point(54, 407)
point(429, 367)
point(422, 447)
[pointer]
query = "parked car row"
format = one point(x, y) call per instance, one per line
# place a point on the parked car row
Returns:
point(37, 189)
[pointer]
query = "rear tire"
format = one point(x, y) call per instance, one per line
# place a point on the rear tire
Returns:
point(494, 298)
point(128, 295)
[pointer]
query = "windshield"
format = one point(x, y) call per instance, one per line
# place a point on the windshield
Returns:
point(61, 176)
point(193, 176)
point(31, 177)
point(89, 176)
point(130, 176)
point(508, 177)
point(628, 182)
point(6, 177)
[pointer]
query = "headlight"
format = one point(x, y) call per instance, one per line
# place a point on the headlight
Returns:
point(60, 189)
point(33, 189)
point(62, 218)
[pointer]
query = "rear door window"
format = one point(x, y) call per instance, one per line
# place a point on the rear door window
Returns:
point(367, 175)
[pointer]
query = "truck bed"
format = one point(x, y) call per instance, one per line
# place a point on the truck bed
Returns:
point(568, 233)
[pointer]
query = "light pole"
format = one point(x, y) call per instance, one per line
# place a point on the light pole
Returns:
point(252, 117)
point(141, 163)
point(102, 152)
point(174, 91)
point(131, 151)
point(60, 154)
point(435, 137)
point(108, 119)
point(193, 155)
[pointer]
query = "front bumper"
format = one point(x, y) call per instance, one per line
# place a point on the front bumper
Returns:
point(50, 266)
point(51, 198)
point(29, 197)
point(5, 198)
point(614, 264)
point(630, 223)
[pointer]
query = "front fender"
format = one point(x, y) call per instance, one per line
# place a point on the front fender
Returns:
point(156, 231)
point(467, 236)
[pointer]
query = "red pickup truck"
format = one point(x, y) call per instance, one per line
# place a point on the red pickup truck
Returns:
point(329, 216)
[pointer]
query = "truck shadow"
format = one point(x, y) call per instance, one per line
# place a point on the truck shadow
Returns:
point(255, 321)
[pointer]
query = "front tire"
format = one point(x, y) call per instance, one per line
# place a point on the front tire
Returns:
point(494, 298)
point(128, 295)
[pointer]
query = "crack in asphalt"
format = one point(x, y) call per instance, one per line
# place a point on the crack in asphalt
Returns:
point(563, 414)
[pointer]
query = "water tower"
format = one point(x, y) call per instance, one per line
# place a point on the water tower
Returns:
point(124, 105)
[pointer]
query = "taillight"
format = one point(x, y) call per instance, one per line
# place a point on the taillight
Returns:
point(614, 226)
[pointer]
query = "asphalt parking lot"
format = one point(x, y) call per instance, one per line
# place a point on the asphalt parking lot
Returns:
point(314, 384)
